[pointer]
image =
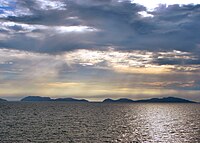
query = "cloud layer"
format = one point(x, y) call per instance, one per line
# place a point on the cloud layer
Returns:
point(102, 45)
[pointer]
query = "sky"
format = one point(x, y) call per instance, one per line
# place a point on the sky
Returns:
point(97, 49)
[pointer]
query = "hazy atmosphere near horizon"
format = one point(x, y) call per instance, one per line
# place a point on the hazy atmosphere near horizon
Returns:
point(97, 49)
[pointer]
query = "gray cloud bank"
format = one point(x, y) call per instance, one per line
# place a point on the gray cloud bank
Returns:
point(35, 26)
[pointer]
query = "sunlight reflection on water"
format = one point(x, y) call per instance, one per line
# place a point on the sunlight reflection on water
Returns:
point(97, 122)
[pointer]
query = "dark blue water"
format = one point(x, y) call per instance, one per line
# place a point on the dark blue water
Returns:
point(97, 122)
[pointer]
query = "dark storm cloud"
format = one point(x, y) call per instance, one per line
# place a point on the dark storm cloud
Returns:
point(119, 25)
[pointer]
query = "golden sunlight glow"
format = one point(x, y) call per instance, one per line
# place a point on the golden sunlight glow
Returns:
point(87, 90)
point(50, 74)
point(144, 70)
point(127, 62)
point(62, 84)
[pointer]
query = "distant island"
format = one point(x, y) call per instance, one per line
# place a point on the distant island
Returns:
point(70, 100)
point(108, 100)
point(121, 100)
point(152, 100)
point(2, 100)
point(36, 98)
point(39, 98)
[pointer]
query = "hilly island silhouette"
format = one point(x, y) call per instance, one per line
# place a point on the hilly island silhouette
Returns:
point(108, 100)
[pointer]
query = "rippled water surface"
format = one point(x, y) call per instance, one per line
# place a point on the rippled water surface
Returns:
point(99, 122)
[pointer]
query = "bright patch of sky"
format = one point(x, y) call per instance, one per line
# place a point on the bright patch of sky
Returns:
point(64, 29)
point(145, 14)
point(13, 27)
point(51, 5)
point(5, 3)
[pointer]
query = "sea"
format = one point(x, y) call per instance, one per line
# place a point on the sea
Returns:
point(63, 122)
